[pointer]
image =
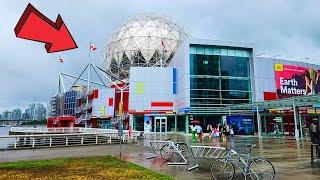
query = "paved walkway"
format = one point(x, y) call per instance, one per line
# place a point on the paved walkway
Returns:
point(291, 158)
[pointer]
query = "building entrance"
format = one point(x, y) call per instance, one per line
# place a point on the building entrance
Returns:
point(160, 124)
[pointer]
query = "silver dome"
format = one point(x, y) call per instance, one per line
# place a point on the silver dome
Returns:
point(145, 40)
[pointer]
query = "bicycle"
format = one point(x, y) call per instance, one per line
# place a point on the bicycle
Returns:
point(167, 150)
point(257, 168)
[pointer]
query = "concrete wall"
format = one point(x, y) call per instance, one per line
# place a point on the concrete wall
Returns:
point(150, 84)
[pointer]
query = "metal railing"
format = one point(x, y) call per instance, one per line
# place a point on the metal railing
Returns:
point(54, 140)
point(45, 130)
point(69, 130)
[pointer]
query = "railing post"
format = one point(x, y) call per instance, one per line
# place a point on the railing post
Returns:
point(33, 141)
point(81, 139)
point(109, 139)
point(50, 144)
point(15, 142)
point(96, 138)
point(66, 140)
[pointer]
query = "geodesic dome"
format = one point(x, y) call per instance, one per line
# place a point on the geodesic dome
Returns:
point(146, 40)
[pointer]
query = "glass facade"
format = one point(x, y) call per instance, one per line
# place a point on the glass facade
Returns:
point(69, 103)
point(219, 76)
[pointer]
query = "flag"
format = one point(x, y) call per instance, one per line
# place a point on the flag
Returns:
point(162, 44)
point(92, 47)
point(60, 59)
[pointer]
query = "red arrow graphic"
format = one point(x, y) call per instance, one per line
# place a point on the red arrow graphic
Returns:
point(36, 27)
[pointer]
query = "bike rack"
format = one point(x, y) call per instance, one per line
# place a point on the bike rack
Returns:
point(157, 145)
point(209, 152)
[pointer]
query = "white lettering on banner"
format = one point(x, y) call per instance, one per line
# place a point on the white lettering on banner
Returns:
point(289, 86)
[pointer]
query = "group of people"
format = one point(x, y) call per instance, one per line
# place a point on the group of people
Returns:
point(221, 131)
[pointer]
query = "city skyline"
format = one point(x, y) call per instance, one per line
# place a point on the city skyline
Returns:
point(34, 111)
point(289, 33)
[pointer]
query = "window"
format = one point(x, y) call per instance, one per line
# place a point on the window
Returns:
point(204, 65)
point(219, 76)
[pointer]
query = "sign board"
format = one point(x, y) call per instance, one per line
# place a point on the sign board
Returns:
point(278, 119)
point(296, 80)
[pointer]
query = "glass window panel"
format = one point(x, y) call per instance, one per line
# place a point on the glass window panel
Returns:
point(246, 54)
point(238, 53)
point(231, 52)
point(224, 52)
point(208, 50)
point(204, 83)
point(216, 51)
point(204, 65)
point(193, 50)
point(200, 49)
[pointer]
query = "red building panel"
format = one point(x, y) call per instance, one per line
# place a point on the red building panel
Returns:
point(161, 104)
point(269, 95)
point(110, 101)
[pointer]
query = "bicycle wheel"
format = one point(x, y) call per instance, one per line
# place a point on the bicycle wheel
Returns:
point(167, 152)
point(183, 148)
point(261, 169)
point(222, 169)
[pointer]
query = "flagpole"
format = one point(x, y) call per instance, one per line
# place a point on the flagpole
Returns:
point(59, 75)
point(88, 85)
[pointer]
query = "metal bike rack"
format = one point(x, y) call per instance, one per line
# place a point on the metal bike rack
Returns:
point(209, 152)
point(157, 145)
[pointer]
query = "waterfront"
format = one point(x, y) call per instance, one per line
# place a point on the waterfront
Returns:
point(4, 131)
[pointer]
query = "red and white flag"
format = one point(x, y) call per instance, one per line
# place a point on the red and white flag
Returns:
point(163, 46)
point(92, 47)
point(60, 59)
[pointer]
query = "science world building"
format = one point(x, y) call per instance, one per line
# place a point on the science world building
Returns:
point(174, 79)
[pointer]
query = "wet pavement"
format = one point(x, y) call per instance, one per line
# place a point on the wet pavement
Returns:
point(290, 158)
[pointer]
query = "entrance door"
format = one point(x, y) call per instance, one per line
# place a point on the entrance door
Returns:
point(160, 124)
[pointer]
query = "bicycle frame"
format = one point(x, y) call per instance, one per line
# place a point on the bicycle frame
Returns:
point(246, 170)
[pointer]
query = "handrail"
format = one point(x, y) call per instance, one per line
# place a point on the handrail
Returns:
point(47, 135)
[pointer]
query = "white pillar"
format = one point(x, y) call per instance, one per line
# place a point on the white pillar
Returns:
point(295, 114)
point(259, 123)
point(300, 122)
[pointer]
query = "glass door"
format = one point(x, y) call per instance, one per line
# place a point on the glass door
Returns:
point(160, 124)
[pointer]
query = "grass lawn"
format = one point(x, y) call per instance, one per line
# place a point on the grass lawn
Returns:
point(106, 167)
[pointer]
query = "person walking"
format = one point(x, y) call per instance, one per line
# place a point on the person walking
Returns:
point(314, 135)
point(193, 131)
point(276, 129)
point(231, 131)
point(199, 132)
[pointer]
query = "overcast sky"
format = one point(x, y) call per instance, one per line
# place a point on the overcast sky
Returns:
point(28, 74)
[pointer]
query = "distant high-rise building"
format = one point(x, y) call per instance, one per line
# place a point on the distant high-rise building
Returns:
point(27, 114)
point(16, 114)
point(6, 115)
point(36, 111)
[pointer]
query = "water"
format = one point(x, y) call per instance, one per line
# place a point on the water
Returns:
point(4, 131)
point(4, 142)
